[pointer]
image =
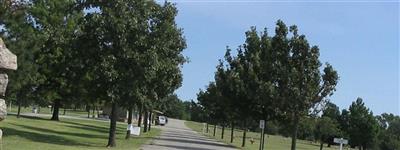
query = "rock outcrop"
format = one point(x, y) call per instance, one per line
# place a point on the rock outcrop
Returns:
point(8, 61)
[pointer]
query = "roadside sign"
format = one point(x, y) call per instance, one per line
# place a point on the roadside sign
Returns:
point(262, 124)
point(340, 141)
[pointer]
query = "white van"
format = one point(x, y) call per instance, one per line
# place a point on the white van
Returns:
point(162, 120)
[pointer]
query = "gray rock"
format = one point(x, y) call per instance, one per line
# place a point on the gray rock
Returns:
point(3, 83)
point(3, 109)
point(7, 59)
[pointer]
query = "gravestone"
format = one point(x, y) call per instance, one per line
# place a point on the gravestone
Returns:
point(8, 61)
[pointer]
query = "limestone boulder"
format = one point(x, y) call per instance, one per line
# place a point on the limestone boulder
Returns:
point(3, 83)
point(8, 60)
point(3, 109)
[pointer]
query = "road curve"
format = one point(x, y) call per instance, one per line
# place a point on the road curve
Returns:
point(176, 136)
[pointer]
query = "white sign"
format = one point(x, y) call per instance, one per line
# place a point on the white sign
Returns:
point(134, 130)
point(340, 141)
point(262, 124)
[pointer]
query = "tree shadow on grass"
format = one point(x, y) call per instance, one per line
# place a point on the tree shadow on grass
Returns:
point(88, 128)
point(44, 131)
point(181, 147)
point(29, 117)
point(41, 137)
point(91, 127)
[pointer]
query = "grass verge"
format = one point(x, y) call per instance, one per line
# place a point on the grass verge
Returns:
point(272, 142)
point(68, 134)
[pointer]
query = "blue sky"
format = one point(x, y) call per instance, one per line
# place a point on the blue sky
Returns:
point(359, 38)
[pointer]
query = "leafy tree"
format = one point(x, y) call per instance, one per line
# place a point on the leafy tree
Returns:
point(363, 127)
point(301, 84)
point(57, 22)
point(389, 135)
point(307, 128)
point(138, 48)
point(274, 77)
point(326, 128)
point(107, 44)
point(197, 112)
point(344, 123)
point(172, 106)
point(22, 40)
point(331, 111)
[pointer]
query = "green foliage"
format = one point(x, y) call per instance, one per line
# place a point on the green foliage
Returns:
point(363, 127)
point(271, 77)
point(173, 107)
point(326, 128)
point(389, 135)
point(331, 111)
point(22, 40)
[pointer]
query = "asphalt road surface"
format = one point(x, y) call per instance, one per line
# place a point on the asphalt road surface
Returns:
point(176, 136)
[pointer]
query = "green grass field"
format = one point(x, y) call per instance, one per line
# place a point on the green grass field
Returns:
point(28, 133)
point(272, 142)
point(46, 110)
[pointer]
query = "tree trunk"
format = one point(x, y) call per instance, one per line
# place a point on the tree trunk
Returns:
point(113, 125)
point(215, 129)
point(98, 113)
point(294, 132)
point(222, 132)
point(145, 121)
point(88, 110)
point(64, 111)
point(140, 116)
point(207, 127)
point(244, 137)
point(244, 133)
point(56, 110)
point(128, 132)
point(93, 109)
point(232, 129)
point(321, 146)
point(150, 113)
point(19, 109)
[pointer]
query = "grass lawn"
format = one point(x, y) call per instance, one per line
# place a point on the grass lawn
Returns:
point(272, 142)
point(46, 110)
point(27, 133)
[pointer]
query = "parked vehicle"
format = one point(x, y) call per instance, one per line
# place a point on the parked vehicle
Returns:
point(162, 120)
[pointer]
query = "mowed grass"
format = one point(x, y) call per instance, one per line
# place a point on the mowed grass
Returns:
point(272, 142)
point(29, 133)
point(46, 110)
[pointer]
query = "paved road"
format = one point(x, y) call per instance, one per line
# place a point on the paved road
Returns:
point(176, 136)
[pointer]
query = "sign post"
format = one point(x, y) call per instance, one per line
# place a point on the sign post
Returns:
point(340, 141)
point(262, 126)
